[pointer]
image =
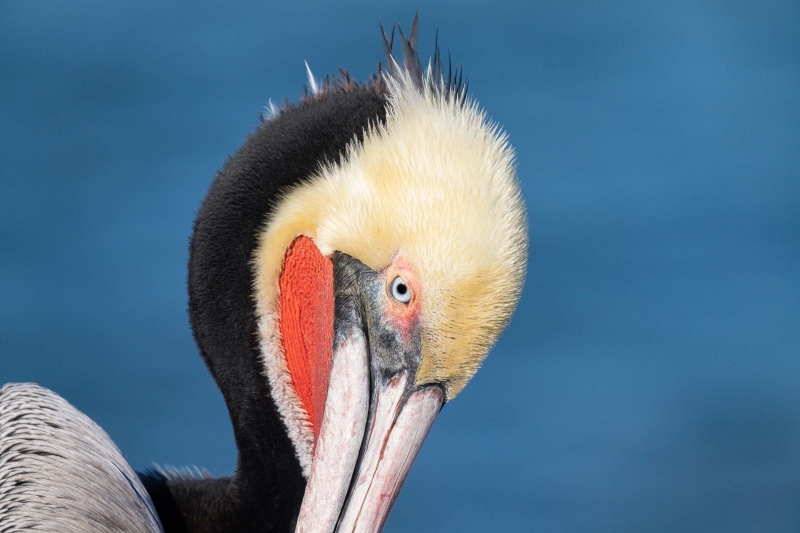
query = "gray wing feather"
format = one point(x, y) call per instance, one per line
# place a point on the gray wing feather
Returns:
point(59, 472)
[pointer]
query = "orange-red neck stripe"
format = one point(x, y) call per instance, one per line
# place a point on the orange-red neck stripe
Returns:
point(306, 324)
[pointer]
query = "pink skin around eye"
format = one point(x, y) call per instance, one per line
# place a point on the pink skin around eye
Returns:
point(403, 316)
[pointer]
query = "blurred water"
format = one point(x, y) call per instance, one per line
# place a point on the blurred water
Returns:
point(650, 380)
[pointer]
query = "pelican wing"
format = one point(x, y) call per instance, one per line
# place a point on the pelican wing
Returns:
point(60, 472)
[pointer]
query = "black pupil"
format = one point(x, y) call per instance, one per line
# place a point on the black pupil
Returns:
point(401, 288)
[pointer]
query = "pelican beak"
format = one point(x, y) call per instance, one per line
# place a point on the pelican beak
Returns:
point(375, 417)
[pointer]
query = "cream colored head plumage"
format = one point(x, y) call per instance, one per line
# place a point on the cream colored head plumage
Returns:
point(436, 183)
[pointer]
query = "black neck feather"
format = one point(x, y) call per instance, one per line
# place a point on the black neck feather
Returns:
point(267, 488)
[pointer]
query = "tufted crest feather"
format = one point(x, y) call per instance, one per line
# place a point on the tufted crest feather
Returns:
point(411, 66)
point(451, 83)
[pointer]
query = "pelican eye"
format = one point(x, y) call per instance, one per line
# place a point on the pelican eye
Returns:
point(400, 290)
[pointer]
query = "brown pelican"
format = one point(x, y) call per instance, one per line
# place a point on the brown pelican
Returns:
point(349, 270)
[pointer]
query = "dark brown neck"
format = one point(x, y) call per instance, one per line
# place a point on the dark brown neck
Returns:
point(194, 505)
point(266, 493)
point(189, 505)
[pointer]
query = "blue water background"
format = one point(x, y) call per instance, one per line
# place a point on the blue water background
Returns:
point(650, 380)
